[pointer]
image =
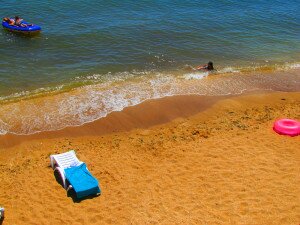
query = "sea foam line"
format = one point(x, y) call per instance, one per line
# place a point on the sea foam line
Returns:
point(91, 102)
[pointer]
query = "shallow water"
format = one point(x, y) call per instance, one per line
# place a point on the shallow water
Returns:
point(97, 57)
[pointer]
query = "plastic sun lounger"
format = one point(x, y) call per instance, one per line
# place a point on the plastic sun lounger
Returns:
point(75, 172)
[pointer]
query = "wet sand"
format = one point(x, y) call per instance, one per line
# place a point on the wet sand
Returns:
point(177, 160)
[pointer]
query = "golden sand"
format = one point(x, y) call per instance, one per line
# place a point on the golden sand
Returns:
point(178, 160)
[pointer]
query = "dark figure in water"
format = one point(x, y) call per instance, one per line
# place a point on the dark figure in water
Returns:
point(18, 22)
point(14, 22)
point(209, 66)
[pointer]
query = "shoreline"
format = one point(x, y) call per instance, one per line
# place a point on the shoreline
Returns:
point(91, 102)
point(182, 159)
point(141, 116)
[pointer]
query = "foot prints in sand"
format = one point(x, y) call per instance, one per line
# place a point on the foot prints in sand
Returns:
point(224, 165)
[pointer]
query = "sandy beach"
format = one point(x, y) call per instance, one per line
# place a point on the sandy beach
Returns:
point(176, 160)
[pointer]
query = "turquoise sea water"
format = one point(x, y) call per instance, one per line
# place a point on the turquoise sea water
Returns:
point(95, 57)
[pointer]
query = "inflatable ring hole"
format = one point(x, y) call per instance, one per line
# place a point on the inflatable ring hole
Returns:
point(289, 124)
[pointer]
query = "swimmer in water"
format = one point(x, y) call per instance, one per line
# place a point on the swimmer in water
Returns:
point(209, 66)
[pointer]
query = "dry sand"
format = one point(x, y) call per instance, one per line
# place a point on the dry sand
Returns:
point(178, 160)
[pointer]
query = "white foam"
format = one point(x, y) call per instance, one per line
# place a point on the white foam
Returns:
point(294, 66)
point(195, 75)
point(229, 70)
point(4, 128)
point(91, 102)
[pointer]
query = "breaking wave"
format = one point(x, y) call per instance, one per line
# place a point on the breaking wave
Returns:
point(89, 98)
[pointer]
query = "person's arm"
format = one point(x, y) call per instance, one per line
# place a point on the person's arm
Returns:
point(202, 67)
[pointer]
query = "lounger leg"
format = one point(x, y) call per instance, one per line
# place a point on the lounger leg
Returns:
point(69, 187)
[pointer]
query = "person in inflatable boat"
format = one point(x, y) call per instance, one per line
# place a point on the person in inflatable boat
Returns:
point(15, 22)
point(9, 21)
point(18, 22)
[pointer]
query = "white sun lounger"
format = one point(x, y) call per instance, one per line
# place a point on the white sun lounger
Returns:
point(60, 162)
point(75, 174)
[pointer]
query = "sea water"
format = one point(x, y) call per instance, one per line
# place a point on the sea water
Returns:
point(96, 57)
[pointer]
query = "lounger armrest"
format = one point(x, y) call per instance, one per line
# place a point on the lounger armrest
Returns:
point(52, 161)
point(62, 175)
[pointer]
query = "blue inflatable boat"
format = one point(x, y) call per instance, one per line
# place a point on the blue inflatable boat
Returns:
point(30, 29)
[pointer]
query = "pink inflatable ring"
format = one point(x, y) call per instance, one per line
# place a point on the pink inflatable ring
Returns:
point(287, 127)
